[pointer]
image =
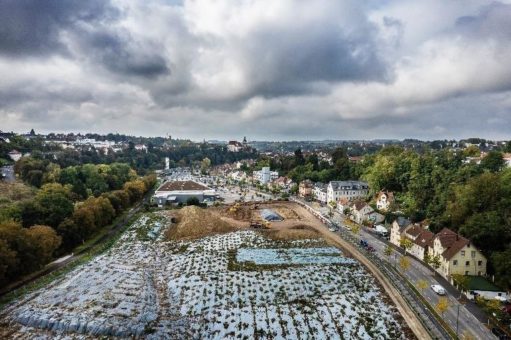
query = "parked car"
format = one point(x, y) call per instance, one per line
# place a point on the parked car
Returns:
point(500, 334)
point(438, 289)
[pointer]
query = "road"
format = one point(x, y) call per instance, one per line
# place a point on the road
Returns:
point(417, 271)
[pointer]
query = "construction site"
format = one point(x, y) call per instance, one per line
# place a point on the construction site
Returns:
point(278, 220)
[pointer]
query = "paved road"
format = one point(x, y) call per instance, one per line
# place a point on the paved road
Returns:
point(467, 322)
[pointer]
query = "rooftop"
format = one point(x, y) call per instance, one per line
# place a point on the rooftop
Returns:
point(480, 283)
point(182, 186)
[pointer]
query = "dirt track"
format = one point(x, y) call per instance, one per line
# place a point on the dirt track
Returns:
point(409, 316)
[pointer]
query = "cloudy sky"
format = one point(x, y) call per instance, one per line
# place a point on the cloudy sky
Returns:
point(263, 69)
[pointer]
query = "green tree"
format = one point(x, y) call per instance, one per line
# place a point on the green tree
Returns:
point(442, 305)
point(493, 161)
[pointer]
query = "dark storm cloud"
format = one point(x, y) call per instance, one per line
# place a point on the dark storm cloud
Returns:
point(32, 27)
point(293, 60)
point(275, 69)
point(121, 54)
point(35, 28)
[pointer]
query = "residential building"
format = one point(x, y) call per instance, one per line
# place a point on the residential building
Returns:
point(305, 188)
point(457, 255)
point(234, 146)
point(398, 227)
point(384, 199)
point(352, 190)
point(15, 155)
point(420, 238)
point(265, 175)
point(319, 192)
point(362, 212)
point(141, 147)
point(343, 204)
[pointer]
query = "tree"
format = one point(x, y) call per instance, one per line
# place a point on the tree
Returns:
point(406, 243)
point(501, 263)
point(493, 161)
point(205, 164)
point(442, 305)
point(299, 158)
point(404, 263)
point(435, 262)
point(355, 228)
point(44, 241)
point(55, 204)
point(135, 190)
point(7, 260)
point(388, 250)
point(421, 285)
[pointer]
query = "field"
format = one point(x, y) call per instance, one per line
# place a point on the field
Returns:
point(233, 284)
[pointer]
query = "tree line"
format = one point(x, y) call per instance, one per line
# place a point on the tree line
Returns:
point(69, 207)
point(444, 189)
point(438, 186)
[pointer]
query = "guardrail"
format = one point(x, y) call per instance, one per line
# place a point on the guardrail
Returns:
point(426, 317)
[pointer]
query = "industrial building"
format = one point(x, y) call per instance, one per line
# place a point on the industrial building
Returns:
point(174, 192)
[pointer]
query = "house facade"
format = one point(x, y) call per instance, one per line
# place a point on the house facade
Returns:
point(265, 175)
point(305, 188)
point(457, 255)
point(360, 211)
point(398, 227)
point(384, 199)
point(319, 191)
point(351, 190)
point(15, 155)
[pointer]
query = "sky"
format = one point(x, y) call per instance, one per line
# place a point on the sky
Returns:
point(265, 69)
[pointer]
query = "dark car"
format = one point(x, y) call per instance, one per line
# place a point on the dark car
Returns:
point(500, 334)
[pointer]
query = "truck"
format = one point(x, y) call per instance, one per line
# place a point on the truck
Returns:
point(381, 230)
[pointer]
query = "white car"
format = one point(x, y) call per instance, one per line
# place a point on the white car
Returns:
point(438, 289)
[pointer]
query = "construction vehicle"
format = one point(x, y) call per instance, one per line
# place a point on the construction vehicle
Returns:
point(259, 224)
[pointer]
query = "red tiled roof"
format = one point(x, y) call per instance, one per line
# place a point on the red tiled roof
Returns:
point(424, 238)
point(414, 231)
point(359, 205)
point(451, 241)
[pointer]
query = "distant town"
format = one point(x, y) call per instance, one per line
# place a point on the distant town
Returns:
point(427, 219)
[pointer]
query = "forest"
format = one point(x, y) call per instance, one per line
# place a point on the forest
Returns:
point(61, 208)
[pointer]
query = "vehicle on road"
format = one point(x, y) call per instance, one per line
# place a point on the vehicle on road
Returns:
point(371, 249)
point(500, 334)
point(380, 230)
point(438, 289)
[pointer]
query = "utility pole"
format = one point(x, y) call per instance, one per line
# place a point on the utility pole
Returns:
point(457, 319)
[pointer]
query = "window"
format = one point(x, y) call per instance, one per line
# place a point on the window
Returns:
point(473, 253)
point(466, 273)
point(462, 253)
point(479, 263)
point(455, 262)
point(467, 263)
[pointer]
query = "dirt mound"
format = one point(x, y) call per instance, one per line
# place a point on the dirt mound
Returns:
point(240, 212)
point(194, 222)
point(300, 232)
point(286, 212)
